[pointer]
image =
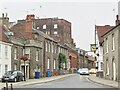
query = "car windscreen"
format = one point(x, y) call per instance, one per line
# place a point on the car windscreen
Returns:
point(9, 73)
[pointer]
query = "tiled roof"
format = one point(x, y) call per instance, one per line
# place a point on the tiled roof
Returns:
point(101, 30)
point(91, 58)
point(19, 33)
point(3, 36)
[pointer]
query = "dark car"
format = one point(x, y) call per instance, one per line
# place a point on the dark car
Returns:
point(15, 76)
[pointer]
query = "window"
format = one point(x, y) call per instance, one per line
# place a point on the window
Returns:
point(38, 28)
point(27, 52)
point(101, 65)
point(54, 64)
point(6, 68)
point(47, 32)
point(49, 47)
point(52, 47)
point(0, 51)
point(6, 51)
point(15, 53)
point(46, 46)
point(106, 45)
point(48, 64)
point(107, 67)
point(37, 55)
point(113, 42)
point(55, 32)
point(55, 26)
point(0, 68)
point(44, 26)
point(15, 67)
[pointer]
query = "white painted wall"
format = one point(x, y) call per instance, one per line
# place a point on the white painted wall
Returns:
point(3, 59)
point(100, 52)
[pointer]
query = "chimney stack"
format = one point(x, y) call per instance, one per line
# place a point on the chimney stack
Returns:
point(117, 20)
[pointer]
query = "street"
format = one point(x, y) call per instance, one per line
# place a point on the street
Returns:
point(75, 81)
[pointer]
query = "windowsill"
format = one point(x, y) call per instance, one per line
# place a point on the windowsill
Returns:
point(106, 53)
point(113, 50)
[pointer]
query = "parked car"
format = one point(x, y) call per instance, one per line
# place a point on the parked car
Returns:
point(13, 76)
point(78, 71)
point(92, 71)
point(84, 71)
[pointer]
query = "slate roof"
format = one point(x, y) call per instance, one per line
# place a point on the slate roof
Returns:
point(101, 30)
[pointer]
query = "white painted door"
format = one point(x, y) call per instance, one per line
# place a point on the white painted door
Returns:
point(114, 71)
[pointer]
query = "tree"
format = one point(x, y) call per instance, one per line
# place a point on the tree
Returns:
point(62, 59)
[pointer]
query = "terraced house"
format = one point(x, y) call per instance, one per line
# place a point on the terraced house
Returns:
point(5, 48)
point(41, 49)
point(112, 53)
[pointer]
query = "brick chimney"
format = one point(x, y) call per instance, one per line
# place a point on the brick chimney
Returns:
point(117, 20)
point(30, 17)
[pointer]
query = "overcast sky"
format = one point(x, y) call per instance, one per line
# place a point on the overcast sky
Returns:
point(82, 14)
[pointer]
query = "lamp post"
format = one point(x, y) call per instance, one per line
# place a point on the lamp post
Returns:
point(24, 58)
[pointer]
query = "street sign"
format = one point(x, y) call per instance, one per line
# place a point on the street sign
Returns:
point(93, 47)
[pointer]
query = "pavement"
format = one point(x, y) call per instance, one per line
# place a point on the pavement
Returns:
point(103, 81)
point(92, 78)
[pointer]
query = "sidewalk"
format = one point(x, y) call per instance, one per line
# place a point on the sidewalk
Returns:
point(103, 81)
point(35, 81)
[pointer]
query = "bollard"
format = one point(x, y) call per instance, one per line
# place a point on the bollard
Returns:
point(11, 86)
point(6, 85)
point(4, 88)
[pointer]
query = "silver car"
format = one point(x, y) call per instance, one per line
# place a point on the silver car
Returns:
point(13, 76)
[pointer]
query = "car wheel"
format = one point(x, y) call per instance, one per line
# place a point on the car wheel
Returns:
point(22, 79)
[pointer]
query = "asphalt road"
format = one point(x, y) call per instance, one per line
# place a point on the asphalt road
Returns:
point(76, 81)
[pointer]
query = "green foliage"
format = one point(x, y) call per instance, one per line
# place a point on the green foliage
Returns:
point(62, 58)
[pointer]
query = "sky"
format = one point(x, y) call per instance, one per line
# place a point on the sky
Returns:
point(83, 14)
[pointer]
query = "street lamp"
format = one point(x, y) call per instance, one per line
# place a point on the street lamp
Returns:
point(24, 58)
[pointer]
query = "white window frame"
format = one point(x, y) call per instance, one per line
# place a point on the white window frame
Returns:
point(15, 53)
point(106, 45)
point(107, 67)
point(6, 51)
point(37, 55)
point(6, 68)
point(38, 27)
point(15, 67)
point(44, 26)
point(48, 63)
point(113, 42)
point(55, 26)
point(49, 46)
point(0, 67)
point(55, 32)
point(27, 52)
point(54, 64)
point(0, 51)
point(46, 46)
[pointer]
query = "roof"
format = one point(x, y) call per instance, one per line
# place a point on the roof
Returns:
point(3, 36)
point(111, 29)
point(91, 58)
point(101, 30)
point(43, 34)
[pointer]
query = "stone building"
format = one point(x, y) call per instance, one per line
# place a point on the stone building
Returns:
point(112, 53)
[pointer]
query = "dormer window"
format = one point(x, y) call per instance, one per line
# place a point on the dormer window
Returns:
point(44, 26)
point(55, 26)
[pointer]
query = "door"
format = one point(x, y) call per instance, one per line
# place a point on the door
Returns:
point(114, 71)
